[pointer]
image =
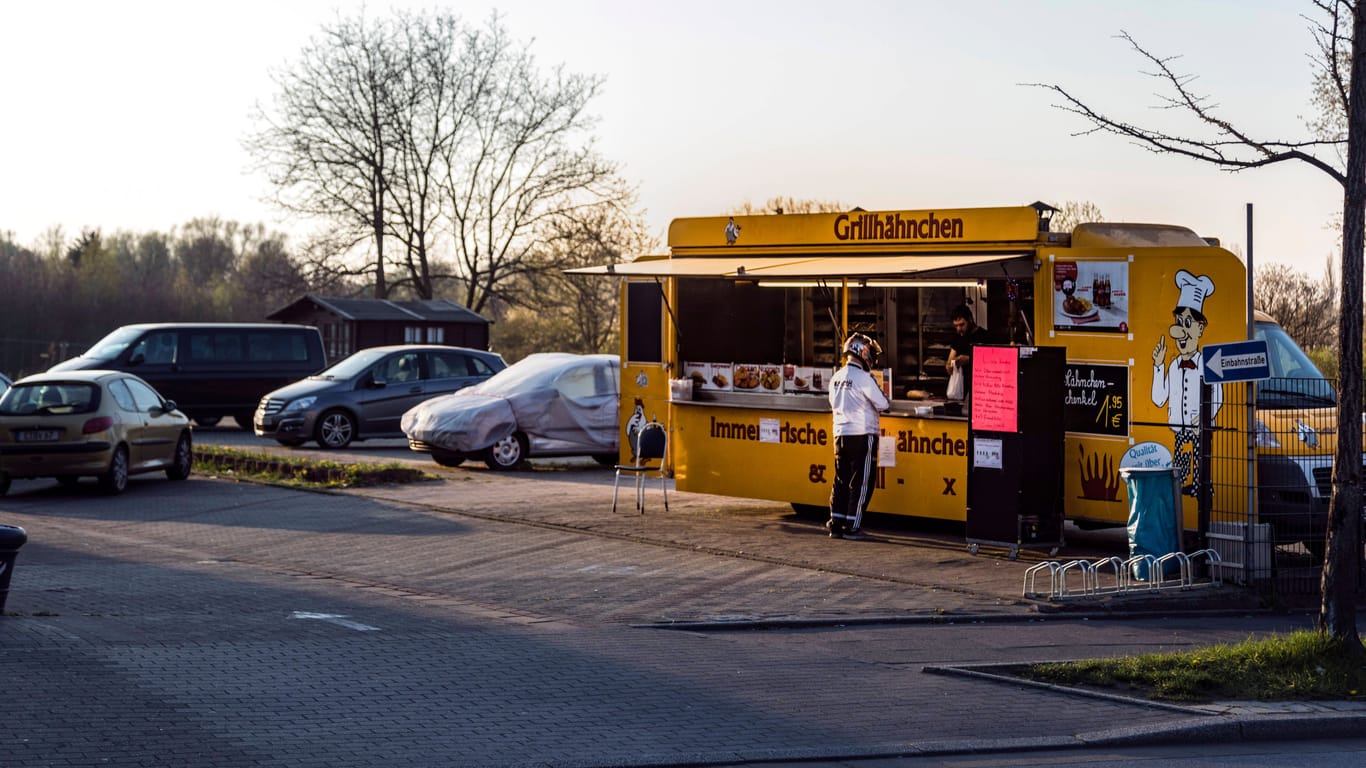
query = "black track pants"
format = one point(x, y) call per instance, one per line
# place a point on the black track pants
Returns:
point(855, 465)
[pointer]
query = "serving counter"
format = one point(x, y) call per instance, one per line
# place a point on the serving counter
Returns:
point(817, 402)
point(780, 447)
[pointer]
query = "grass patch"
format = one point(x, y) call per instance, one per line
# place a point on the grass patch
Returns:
point(287, 470)
point(1296, 666)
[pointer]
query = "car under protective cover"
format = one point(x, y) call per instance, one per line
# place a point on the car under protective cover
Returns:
point(548, 404)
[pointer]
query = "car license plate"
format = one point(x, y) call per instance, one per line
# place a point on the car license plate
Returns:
point(36, 436)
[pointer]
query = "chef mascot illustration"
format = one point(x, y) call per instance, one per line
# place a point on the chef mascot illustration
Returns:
point(1178, 386)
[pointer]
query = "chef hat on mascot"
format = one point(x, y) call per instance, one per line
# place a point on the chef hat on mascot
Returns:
point(1194, 291)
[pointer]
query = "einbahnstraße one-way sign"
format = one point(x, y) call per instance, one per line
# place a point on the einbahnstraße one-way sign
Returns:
point(1236, 361)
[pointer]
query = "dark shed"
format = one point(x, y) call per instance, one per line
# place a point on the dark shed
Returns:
point(351, 324)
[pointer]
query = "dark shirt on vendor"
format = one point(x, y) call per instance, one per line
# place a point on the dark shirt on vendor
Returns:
point(962, 345)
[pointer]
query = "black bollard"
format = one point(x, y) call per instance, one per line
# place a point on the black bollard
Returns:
point(12, 537)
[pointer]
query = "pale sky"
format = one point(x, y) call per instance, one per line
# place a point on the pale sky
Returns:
point(130, 115)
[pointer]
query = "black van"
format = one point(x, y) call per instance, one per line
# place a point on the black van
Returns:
point(210, 370)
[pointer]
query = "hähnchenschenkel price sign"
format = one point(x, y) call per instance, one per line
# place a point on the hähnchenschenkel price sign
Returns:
point(1236, 361)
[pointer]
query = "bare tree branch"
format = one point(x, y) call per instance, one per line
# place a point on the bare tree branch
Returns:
point(327, 145)
point(527, 162)
point(1228, 147)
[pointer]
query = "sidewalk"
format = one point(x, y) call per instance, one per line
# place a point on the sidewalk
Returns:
point(921, 554)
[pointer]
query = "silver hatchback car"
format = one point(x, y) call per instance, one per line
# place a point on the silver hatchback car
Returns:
point(364, 395)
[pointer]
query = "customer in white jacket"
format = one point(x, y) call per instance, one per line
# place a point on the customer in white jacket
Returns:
point(856, 401)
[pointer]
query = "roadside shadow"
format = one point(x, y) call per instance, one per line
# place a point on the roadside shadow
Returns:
point(199, 501)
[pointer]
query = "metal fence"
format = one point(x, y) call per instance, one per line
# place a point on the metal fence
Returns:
point(1267, 517)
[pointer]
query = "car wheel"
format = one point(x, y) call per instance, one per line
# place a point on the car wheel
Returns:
point(116, 479)
point(243, 419)
point(289, 442)
point(4, 483)
point(183, 460)
point(335, 429)
point(448, 458)
point(207, 421)
point(508, 453)
point(606, 459)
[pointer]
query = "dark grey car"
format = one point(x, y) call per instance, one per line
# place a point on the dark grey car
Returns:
point(364, 395)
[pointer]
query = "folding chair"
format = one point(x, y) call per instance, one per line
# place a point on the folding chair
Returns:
point(651, 442)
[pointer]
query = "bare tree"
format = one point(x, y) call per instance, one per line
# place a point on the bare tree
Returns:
point(267, 278)
point(434, 104)
point(1305, 308)
point(1074, 212)
point(789, 204)
point(446, 141)
point(1340, 39)
point(207, 248)
point(86, 247)
point(526, 162)
point(328, 143)
point(584, 307)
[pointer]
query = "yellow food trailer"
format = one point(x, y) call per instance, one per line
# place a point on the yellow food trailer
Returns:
point(730, 340)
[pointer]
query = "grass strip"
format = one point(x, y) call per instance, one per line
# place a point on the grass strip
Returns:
point(303, 472)
point(1301, 666)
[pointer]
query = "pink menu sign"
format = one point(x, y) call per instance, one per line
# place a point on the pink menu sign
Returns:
point(995, 388)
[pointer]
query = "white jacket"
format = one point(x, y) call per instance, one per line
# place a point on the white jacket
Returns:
point(855, 400)
point(1179, 389)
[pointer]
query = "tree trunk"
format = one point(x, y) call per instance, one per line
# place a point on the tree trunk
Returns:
point(1337, 615)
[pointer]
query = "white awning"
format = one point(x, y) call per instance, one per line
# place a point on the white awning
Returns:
point(698, 266)
point(904, 267)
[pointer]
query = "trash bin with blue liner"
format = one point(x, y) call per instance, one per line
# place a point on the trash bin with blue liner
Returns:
point(1154, 514)
point(12, 537)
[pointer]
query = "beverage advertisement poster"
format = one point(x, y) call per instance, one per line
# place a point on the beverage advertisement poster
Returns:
point(1091, 296)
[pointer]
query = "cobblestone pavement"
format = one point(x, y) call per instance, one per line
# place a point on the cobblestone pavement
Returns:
point(507, 620)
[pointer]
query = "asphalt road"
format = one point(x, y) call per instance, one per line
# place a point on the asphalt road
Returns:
point(509, 619)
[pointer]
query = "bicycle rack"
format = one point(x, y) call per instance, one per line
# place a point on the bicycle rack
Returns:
point(1183, 567)
point(1131, 568)
point(1032, 572)
point(1124, 573)
point(1087, 571)
point(1212, 559)
point(1121, 576)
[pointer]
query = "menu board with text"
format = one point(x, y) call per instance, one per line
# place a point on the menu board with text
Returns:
point(995, 388)
point(1096, 399)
